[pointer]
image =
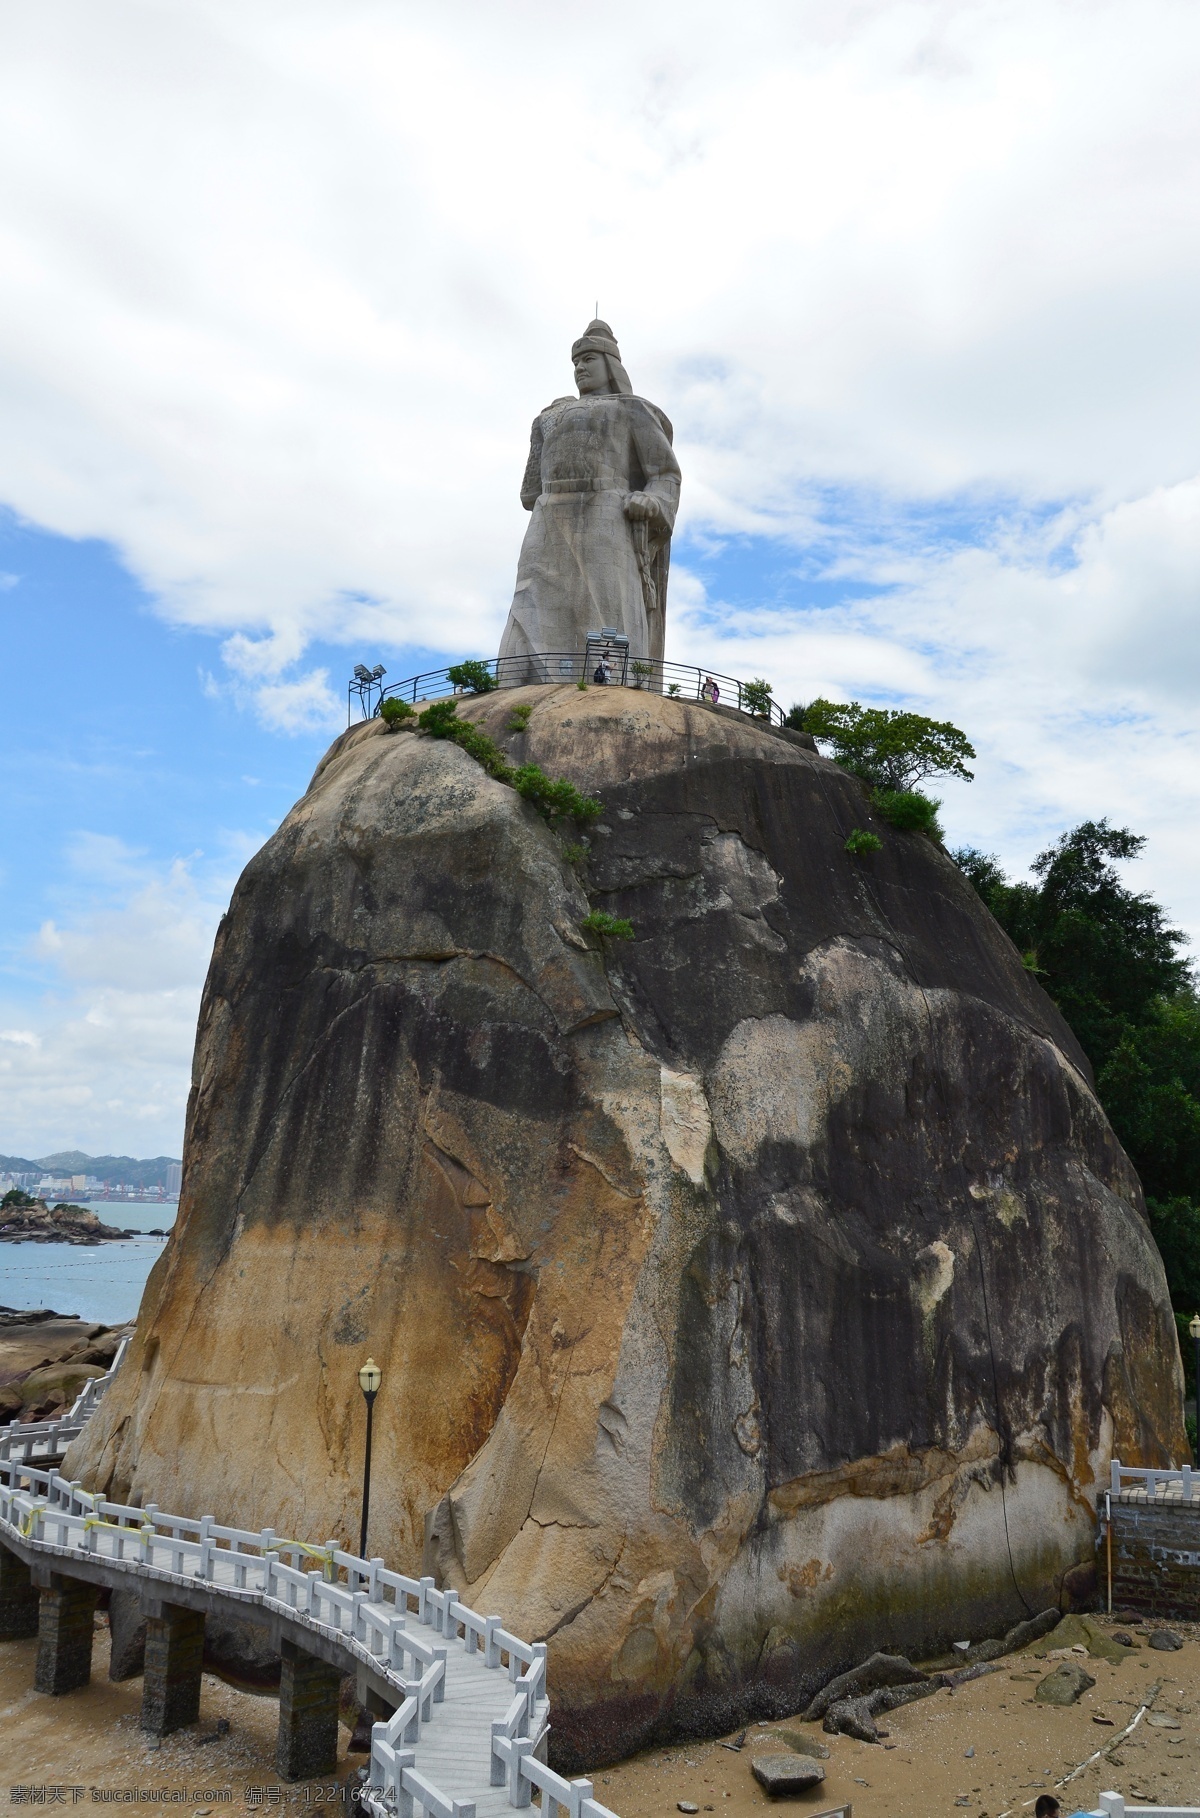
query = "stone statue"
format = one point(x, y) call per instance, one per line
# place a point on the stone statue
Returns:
point(602, 483)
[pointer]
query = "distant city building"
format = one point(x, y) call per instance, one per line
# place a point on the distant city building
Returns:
point(174, 1179)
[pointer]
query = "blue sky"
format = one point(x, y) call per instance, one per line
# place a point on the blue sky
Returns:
point(286, 284)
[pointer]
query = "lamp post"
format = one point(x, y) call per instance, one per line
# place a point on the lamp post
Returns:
point(369, 1379)
point(1194, 1329)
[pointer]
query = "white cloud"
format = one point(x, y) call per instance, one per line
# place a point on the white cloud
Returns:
point(105, 1064)
point(285, 284)
point(303, 705)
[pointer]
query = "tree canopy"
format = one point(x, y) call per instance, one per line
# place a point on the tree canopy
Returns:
point(887, 747)
point(1103, 952)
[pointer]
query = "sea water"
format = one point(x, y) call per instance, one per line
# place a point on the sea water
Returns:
point(101, 1283)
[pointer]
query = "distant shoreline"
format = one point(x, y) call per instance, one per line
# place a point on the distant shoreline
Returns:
point(24, 1219)
point(76, 1243)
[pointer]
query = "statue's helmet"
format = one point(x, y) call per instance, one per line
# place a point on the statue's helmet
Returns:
point(599, 338)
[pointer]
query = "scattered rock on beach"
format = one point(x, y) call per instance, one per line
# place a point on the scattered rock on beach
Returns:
point(781, 1775)
point(879, 1670)
point(1082, 1632)
point(1065, 1685)
point(1166, 1641)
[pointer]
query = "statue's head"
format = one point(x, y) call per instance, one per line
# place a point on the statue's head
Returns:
point(591, 372)
point(597, 361)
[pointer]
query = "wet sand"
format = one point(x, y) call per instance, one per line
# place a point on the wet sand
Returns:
point(90, 1738)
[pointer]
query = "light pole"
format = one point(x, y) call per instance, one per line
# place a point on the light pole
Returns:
point(369, 1379)
point(1194, 1329)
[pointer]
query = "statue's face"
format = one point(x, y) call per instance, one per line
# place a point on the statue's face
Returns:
point(591, 373)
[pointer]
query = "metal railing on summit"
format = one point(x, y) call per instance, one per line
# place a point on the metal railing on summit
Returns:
point(682, 681)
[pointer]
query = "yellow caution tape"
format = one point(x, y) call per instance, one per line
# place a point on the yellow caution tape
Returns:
point(324, 1554)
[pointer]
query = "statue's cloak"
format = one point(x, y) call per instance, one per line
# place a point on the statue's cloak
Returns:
point(583, 565)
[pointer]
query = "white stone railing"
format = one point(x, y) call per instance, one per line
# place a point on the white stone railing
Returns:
point(1179, 1483)
point(50, 1438)
point(1112, 1805)
point(366, 1613)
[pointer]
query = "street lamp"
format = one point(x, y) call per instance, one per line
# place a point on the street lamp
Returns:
point(369, 1379)
point(1194, 1329)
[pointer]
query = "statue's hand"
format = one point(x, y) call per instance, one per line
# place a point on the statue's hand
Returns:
point(643, 507)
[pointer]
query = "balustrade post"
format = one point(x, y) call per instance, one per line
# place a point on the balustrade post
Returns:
point(412, 1729)
point(491, 1647)
point(405, 1758)
point(580, 1790)
point(424, 1600)
point(519, 1788)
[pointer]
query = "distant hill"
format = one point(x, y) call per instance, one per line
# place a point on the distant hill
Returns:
point(127, 1168)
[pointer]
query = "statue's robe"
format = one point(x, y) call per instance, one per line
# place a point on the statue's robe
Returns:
point(584, 566)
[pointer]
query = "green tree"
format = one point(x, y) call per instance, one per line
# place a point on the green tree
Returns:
point(909, 810)
point(1103, 952)
point(473, 676)
point(887, 747)
point(756, 697)
point(1111, 962)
